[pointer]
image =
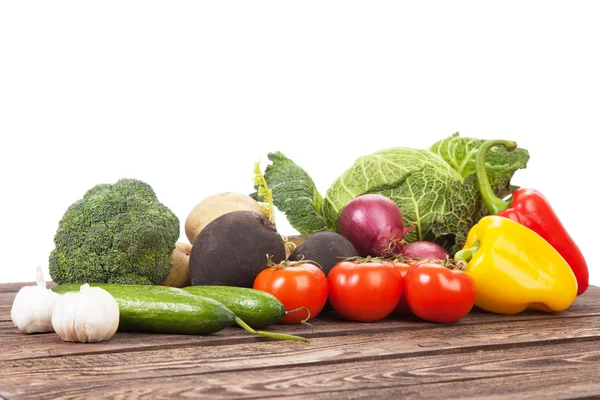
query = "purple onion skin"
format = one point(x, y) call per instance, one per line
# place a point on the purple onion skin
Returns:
point(425, 250)
point(373, 224)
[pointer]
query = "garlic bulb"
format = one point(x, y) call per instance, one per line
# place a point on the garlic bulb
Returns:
point(90, 315)
point(31, 310)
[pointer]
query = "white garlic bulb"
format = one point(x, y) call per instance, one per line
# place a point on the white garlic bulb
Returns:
point(31, 310)
point(90, 315)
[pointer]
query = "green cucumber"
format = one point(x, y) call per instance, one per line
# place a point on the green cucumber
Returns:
point(257, 308)
point(162, 309)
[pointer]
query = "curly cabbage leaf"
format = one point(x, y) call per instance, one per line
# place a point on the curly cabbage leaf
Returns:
point(460, 153)
point(295, 194)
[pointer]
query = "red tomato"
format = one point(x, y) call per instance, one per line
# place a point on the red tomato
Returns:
point(296, 285)
point(402, 306)
point(439, 294)
point(364, 291)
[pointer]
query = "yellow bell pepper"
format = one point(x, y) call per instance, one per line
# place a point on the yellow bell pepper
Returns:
point(514, 268)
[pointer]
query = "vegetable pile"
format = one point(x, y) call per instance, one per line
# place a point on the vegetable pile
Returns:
point(435, 188)
point(428, 233)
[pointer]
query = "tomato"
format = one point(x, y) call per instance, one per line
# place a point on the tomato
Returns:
point(402, 306)
point(364, 291)
point(295, 284)
point(439, 294)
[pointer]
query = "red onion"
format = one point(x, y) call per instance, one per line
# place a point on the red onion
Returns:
point(425, 250)
point(373, 224)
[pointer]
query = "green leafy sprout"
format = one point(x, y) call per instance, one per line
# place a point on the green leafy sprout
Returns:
point(264, 193)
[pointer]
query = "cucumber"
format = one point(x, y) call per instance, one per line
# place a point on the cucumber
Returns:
point(257, 308)
point(161, 309)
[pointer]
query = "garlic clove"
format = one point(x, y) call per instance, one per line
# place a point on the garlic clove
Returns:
point(63, 317)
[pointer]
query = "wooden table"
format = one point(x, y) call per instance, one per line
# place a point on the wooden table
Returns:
point(530, 355)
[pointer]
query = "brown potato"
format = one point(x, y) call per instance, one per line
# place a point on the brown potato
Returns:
point(215, 206)
point(180, 258)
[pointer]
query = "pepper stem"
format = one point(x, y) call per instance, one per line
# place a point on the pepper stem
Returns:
point(465, 255)
point(280, 336)
point(493, 203)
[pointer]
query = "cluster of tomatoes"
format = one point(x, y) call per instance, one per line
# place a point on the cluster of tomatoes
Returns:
point(369, 290)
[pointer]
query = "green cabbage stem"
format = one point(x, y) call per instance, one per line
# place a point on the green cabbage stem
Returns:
point(493, 203)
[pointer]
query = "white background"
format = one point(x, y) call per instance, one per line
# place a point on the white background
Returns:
point(188, 95)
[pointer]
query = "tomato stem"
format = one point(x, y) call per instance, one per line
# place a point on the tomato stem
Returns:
point(287, 263)
point(269, 260)
point(361, 259)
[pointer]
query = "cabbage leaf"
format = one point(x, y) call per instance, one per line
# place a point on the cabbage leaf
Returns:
point(294, 194)
point(460, 153)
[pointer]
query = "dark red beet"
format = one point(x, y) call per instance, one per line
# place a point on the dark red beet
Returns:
point(232, 250)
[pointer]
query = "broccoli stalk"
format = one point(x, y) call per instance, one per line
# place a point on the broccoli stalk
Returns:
point(116, 233)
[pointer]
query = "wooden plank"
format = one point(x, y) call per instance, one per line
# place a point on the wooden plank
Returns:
point(247, 366)
point(536, 370)
point(13, 342)
point(560, 384)
point(6, 300)
point(208, 357)
point(15, 345)
point(14, 287)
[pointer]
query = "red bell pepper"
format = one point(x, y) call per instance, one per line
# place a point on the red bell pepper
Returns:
point(530, 208)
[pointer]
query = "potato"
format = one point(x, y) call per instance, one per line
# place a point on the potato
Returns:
point(215, 206)
point(180, 258)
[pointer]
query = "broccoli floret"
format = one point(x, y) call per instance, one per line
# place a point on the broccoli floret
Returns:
point(116, 233)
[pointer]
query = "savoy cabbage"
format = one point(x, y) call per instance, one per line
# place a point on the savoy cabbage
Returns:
point(435, 188)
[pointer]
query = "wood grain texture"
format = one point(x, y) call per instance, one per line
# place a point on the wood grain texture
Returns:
point(529, 355)
point(15, 286)
point(14, 345)
point(100, 368)
point(459, 371)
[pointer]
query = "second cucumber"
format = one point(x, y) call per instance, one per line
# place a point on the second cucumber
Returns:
point(257, 308)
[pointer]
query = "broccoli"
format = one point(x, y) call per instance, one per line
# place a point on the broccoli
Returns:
point(116, 233)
